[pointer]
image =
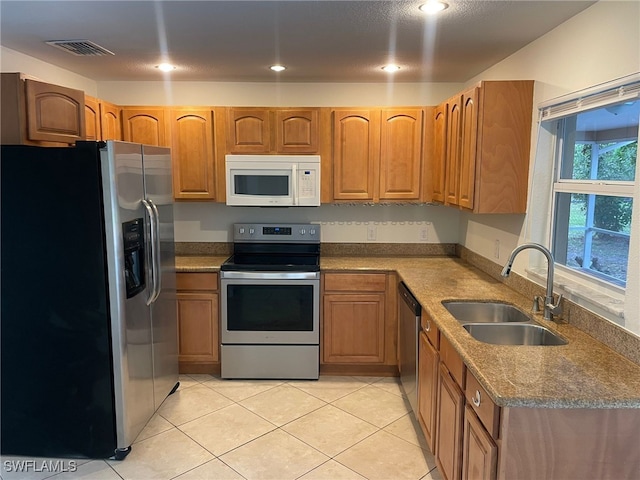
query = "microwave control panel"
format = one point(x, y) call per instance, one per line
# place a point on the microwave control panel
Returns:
point(307, 182)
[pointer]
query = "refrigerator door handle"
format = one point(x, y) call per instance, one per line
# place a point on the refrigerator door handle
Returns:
point(152, 245)
point(156, 249)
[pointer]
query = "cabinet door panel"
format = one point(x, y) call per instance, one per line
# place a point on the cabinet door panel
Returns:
point(92, 118)
point(193, 154)
point(198, 327)
point(54, 113)
point(449, 427)
point(438, 172)
point(353, 330)
point(297, 131)
point(427, 389)
point(249, 130)
point(453, 150)
point(468, 148)
point(401, 154)
point(356, 153)
point(110, 121)
point(480, 453)
point(146, 126)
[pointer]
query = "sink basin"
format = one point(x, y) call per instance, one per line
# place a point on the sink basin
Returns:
point(485, 312)
point(513, 334)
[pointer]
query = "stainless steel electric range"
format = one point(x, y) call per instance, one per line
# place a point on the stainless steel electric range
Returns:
point(270, 302)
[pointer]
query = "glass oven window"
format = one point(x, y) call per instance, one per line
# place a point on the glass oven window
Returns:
point(270, 308)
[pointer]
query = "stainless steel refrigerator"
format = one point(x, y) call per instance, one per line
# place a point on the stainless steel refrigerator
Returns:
point(88, 305)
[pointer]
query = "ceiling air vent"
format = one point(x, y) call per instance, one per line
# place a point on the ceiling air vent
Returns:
point(80, 48)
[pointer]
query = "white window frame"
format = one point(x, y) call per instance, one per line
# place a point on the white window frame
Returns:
point(614, 302)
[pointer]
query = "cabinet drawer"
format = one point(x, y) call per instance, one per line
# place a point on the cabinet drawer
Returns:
point(452, 361)
point(430, 329)
point(487, 411)
point(197, 281)
point(355, 282)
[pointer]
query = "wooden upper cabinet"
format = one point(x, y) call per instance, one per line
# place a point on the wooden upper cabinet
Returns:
point(297, 131)
point(102, 119)
point(145, 125)
point(401, 154)
point(356, 153)
point(39, 113)
point(273, 130)
point(192, 152)
point(54, 113)
point(452, 156)
point(248, 130)
point(92, 118)
point(110, 121)
point(468, 143)
point(438, 163)
point(488, 147)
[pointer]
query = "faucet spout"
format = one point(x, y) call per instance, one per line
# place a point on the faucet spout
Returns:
point(550, 308)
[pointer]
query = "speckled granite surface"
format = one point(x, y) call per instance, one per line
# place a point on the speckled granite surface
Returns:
point(582, 374)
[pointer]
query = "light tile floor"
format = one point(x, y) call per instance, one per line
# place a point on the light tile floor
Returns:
point(331, 429)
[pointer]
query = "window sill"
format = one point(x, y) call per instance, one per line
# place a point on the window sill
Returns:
point(608, 305)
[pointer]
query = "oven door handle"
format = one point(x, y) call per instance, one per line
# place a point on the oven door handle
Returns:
point(271, 275)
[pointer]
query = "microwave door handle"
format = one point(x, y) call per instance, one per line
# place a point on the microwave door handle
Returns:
point(294, 183)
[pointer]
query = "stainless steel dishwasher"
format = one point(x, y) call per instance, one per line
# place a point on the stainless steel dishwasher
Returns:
point(410, 311)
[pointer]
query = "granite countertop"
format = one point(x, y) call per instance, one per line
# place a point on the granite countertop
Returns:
point(584, 373)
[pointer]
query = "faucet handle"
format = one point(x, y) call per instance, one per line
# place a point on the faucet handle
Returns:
point(557, 308)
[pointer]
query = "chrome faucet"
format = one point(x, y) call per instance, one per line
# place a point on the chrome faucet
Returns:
point(550, 309)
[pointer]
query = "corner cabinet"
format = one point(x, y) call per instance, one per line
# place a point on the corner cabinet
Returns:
point(193, 154)
point(273, 130)
point(486, 147)
point(198, 325)
point(377, 154)
point(359, 324)
point(37, 113)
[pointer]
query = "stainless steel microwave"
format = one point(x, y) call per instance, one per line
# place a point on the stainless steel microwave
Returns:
point(273, 180)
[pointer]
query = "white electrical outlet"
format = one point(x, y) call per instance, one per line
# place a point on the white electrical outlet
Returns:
point(371, 233)
point(496, 249)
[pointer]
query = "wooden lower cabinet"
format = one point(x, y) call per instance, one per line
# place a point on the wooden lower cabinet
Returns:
point(198, 325)
point(427, 389)
point(359, 324)
point(449, 426)
point(479, 451)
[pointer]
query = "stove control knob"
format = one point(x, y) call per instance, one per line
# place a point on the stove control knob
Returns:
point(312, 231)
point(241, 231)
point(251, 231)
point(302, 231)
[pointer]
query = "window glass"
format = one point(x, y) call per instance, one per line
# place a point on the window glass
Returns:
point(596, 228)
point(596, 167)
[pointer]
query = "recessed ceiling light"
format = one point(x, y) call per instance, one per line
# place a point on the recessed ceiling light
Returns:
point(277, 68)
point(165, 67)
point(433, 6)
point(391, 68)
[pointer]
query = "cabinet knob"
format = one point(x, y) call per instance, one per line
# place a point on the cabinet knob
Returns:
point(427, 328)
point(476, 398)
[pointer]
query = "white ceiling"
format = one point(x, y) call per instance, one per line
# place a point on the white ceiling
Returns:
point(319, 41)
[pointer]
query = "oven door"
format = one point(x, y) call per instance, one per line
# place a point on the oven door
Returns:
point(270, 308)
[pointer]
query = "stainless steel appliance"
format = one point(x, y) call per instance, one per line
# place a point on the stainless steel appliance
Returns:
point(270, 302)
point(89, 328)
point(273, 180)
point(410, 313)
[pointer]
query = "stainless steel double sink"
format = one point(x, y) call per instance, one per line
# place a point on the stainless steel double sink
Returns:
point(501, 324)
